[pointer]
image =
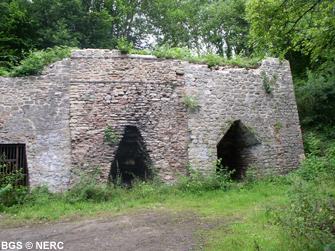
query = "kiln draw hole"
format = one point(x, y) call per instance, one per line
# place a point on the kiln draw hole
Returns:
point(131, 159)
point(235, 149)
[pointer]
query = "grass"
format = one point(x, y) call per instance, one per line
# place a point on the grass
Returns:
point(211, 60)
point(293, 212)
point(242, 210)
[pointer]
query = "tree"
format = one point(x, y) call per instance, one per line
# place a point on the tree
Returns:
point(26, 25)
point(206, 25)
point(305, 25)
point(16, 31)
point(224, 27)
point(304, 32)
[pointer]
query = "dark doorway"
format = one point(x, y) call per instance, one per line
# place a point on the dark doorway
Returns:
point(235, 149)
point(131, 159)
point(13, 164)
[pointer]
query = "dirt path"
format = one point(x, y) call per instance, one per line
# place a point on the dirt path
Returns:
point(143, 230)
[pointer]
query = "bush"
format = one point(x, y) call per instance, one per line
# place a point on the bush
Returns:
point(34, 63)
point(165, 51)
point(320, 154)
point(10, 192)
point(310, 214)
point(213, 60)
point(41, 196)
point(316, 97)
point(88, 188)
point(124, 46)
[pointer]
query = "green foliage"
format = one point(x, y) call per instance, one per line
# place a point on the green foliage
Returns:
point(219, 17)
point(88, 188)
point(278, 26)
point(16, 32)
point(139, 52)
point(230, 121)
point(10, 192)
point(278, 125)
point(192, 102)
point(210, 28)
point(213, 60)
point(35, 62)
point(245, 62)
point(310, 214)
point(320, 155)
point(28, 25)
point(199, 181)
point(124, 46)
point(110, 135)
point(312, 144)
point(251, 129)
point(166, 51)
point(258, 177)
point(316, 97)
point(267, 83)
point(206, 26)
point(41, 196)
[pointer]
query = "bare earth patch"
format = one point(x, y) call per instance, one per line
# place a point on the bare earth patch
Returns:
point(141, 230)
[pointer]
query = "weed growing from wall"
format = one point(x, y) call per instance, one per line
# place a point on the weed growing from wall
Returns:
point(110, 135)
point(278, 125)
point(269, 81)
point(192, 102)
point(266, 82)
point(124, 46)
point(251, 129)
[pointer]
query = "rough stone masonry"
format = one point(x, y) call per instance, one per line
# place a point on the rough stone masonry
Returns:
point(166, 114)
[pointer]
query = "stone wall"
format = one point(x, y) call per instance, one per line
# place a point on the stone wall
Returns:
point(146, 93)
point(227, 95)
point(61, 116)
point(35, 111)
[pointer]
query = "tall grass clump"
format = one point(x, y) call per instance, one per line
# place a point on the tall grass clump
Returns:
point(199, 181)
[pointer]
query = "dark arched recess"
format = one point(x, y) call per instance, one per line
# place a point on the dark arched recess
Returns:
point(131, 159)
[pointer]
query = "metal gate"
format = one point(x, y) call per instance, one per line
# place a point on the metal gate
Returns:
point(13, 164)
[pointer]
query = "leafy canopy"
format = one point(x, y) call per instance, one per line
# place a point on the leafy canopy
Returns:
point(280, 25)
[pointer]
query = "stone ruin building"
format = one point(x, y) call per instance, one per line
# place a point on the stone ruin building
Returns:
point(164, 114)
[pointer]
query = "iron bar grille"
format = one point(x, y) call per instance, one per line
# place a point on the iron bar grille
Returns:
point(13, 164)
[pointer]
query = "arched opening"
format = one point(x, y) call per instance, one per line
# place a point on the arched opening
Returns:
point(236, 147)
point(131, 159)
